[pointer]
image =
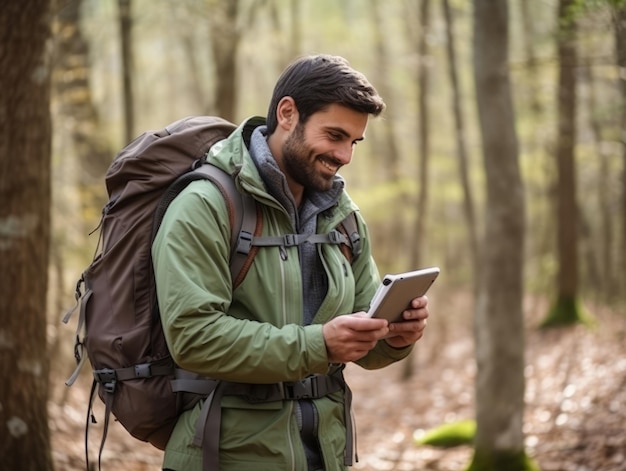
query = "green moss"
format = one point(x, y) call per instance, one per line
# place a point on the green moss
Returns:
point(567, 311)
point(501, 460)
point(449, 435)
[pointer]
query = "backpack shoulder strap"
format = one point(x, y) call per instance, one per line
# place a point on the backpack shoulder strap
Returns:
point(349, 227)
point(242, 213)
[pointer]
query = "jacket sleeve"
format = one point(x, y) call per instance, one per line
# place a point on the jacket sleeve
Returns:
point(367, 279)
point(194, 290)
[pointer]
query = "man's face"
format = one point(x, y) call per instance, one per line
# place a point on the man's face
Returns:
point(314, 152)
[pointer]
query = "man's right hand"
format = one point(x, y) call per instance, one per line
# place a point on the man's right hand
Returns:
point(350, 337)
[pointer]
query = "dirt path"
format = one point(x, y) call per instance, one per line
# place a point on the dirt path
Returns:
point(575, 418)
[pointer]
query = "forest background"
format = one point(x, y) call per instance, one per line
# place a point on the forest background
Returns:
point(425, 177)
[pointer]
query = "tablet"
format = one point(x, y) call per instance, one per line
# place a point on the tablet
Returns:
point(396, 292)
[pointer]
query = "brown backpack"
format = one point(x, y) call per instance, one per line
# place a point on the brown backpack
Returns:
point(119, 325)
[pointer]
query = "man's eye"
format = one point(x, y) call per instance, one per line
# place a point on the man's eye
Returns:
point(335, 136)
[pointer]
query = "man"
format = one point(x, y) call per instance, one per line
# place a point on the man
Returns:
point(298, 315)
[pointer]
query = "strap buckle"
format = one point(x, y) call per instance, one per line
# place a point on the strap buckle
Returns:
point(355, 241)
point(143, 370)
point(245, 242)
point(305, 389)
point(335, 237)
point(107, 378)
point(290, 240)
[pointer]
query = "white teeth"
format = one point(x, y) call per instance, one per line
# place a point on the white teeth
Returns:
point(328, 166)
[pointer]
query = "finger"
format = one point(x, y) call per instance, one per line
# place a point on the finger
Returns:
point(364, 324)
point(416, 325)
point(420, 302)
point(415, 315)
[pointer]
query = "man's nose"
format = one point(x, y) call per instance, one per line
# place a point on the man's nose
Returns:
point(344, 154)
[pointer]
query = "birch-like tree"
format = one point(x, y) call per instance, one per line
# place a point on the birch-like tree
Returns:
point(498, 324)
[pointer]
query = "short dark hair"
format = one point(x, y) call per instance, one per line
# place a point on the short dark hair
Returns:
point(316, 81)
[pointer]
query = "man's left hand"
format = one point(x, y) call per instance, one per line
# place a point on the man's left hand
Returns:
point(410, 330)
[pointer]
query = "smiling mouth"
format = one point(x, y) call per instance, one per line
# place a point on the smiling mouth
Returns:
point(332, 167)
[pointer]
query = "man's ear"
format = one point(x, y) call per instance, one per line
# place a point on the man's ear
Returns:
point(287, 113)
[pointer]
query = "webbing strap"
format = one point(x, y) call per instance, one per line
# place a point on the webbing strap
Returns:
point(290, 240)
point(108, 401)
point(189, 382)
point(350, 226)
point(208, 424)
point(241, 207)
point(79, 354)
point(89, 415)
point(308, 431)
point(350, 452)
point(142, 370)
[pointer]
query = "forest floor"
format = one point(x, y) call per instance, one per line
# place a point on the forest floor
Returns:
point(575, 416)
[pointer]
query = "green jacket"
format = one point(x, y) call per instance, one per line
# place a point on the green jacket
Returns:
point(254, 334)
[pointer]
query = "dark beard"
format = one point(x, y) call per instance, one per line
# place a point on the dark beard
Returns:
point(300, 167)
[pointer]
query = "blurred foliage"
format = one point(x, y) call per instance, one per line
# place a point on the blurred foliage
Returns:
point(449, 435)
point(174, 77)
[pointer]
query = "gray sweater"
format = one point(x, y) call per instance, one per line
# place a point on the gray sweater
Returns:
point(303, 219)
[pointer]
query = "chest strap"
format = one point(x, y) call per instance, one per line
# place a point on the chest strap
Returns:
point(209, 423)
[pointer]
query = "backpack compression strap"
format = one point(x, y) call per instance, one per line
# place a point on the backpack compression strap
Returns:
point(207, 434)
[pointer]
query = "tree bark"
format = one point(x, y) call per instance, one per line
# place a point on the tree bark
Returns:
point(391, 167)
point(126, 23)
point(420, 233)
point(565, 309)
point(620, 50)
point(499, 327)
point(77, 114)
point(599, 256)
point(461, 147)
point(225, 39)
point(567, 214)
point(423, 92)
point(24, 233)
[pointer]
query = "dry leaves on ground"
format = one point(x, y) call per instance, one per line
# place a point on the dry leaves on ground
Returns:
point(575, 417)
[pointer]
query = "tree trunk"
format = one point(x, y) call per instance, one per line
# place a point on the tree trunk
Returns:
point(225, 39)
point(126, 22)
point(423, 92)
point(390, 162)
point(565, 309)
point(421, 215)
point(528, 36)
point(499, 327)
point(78, 117)
point(295, 43)
point(620, 49)
point(461, 147)
point(567, 216)
point(24, 234)
point(599, 256)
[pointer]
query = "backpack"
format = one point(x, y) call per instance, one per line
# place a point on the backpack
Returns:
point(119, 321)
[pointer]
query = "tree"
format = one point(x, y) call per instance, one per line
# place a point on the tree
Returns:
point(420, 233)
point(461, 146)
point(620, 52)
point(77, 115)
point(423, 83)
point(126, 23)
point(24, 234)
point(498, 324)
point(566, 309)
point(225, 40)
point(391, 165)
